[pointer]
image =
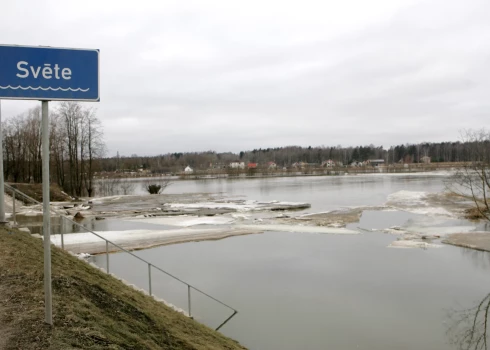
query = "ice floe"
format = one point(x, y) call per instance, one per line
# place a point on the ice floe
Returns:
point(301, 229)
point(413, 244)
point(87, 242)
point(415, 202)
point(408, 198)
point(242, 206)
point(184, 221)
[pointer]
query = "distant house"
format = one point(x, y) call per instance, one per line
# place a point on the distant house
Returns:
point(328, 163)
point(425, 159)
point(357, 164)
point(300, 165)
point(376, 162)
point(217, 166)
point(188, 170)
point(271, 165)
point(252, 165)
point(237, 165)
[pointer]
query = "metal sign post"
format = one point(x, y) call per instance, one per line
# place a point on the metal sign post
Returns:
point(2, 186)
point(48, 314)
point(47, 74)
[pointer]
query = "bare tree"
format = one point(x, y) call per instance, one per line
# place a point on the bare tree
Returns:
point(156, 187)
point(79, 143)
point(472, 179)
point(70, 113)
point(95, 147)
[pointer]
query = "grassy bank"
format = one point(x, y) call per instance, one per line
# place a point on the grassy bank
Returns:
point(91, 309)
point(36, 191)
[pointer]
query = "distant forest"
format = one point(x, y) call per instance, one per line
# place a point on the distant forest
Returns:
point(287, 156)
point(78, 152)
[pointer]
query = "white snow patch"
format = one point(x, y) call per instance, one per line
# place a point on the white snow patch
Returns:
point(416, 203)
point(411, 198)
point(316, 213)
point(240, 216)
point(212, 205)
point(430, 211)
point(184, 221)
point(411, 174)
point(300, 229)
point(394, 231)
point(121, 236)
point(91, 243)
point(413, 244)
point(242, 206)
point(440, 230)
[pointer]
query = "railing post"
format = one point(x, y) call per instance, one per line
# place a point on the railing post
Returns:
point(13, 205)
point(189, 299)
point(61, 232)
point(149, 278)
point(107, 255)
point(66, 220)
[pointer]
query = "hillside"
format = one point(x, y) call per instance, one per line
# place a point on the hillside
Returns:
point(91, 309)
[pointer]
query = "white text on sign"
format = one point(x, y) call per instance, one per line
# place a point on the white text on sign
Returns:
point(47, 72)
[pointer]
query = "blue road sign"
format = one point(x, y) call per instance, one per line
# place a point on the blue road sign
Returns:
point(46, 73)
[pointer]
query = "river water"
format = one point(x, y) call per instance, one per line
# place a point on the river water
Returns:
point(320, 291)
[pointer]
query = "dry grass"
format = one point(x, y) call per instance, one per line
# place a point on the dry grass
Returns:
point(473, 214)
point(36, 191)
point(91, 309)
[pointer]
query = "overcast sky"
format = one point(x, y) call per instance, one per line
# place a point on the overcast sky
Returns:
point(237, 75)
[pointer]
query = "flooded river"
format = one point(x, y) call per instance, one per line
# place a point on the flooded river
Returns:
point(323, 291)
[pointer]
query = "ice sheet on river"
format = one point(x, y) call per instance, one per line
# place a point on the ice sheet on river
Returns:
point(241, 205)
point(139, 239)
point(87, 242)
point(184, 220)
point(416, 202)
point(301, 229)
point(413, 244)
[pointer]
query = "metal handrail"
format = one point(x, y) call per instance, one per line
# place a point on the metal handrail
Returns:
point(150, 265)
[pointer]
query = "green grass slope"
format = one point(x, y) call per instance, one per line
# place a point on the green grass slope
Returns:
point(91, 310)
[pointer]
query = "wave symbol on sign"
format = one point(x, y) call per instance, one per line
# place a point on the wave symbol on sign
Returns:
point(41, 88)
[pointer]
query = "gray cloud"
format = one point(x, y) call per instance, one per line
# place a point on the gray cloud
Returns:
point(229, 76)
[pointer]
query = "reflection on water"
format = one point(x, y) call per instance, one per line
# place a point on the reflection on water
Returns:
point(480, 259)
point(317, 291)
point(58, 225)
point(470, 329)
point(376, 219)
point(322, 192)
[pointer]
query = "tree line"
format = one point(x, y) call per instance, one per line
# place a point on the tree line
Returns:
point(76, 145)
point(459, 151)
point(78, 149)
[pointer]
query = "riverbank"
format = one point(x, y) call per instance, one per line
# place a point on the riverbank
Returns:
point(143, 221)
point(92, 310)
